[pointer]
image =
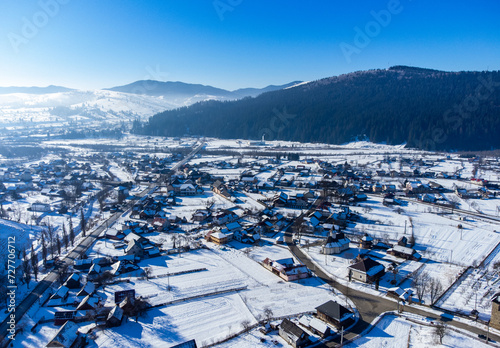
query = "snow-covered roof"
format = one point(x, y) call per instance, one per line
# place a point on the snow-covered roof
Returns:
point(218, 235)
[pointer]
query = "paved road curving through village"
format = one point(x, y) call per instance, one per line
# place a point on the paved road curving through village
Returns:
point(369, 306)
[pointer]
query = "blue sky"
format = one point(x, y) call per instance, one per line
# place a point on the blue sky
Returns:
point(237, 43)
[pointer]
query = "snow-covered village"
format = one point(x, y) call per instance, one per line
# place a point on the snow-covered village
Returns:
point(145, 241)
point(249, 174)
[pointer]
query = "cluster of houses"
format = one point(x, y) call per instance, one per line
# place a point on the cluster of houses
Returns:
point(77, 301)
point(328, 319)
point(56, 179)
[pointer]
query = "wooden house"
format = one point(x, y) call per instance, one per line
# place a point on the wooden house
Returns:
point(115, 317)
point(335, 314)
point(293, 335)
point(366, 270)
point(287, 269)
point(65, 337)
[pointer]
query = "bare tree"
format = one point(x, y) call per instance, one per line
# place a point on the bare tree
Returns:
point(245, 324)
point(148, 272)
point(420, 284)
point(268, 313)
point(103, 278)
point(435, 289)
point(139, 308)
point(454, 201)
point(440, 331)
point(174, 240)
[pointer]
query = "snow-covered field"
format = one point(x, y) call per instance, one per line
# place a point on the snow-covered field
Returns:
point(213, 317)
point(396, 332)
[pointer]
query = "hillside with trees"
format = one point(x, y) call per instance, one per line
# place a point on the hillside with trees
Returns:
point(424, 108)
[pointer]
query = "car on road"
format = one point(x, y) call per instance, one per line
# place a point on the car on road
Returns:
point(483, 337)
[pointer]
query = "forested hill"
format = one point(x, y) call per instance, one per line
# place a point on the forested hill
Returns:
point(425, 108)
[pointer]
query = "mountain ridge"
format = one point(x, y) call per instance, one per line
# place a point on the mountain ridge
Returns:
point(397, 105)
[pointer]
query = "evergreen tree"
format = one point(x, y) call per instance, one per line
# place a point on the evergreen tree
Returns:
point(71, 232)
point(58, 244)
point(34, 262)
point(82, 222)
point(44, 250)
point(65, 238)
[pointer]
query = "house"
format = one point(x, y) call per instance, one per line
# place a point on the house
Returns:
point(315, 325)
point(94, 271)
point(389, 188)
point(82, 265)
point(335, 244)
point(73, 281)
point(286, 269)
point(61, 317)
point(123, 294)
point(428, 198)
point(160, 224)
point(61, 293)
point(280, 200)
point(88, 303)
point(495, 312)
point(41, 207)
point(335, 314)
point(200, 215)
point(114, 234)
point(221, 189)
point(115, 317)
point(366, 270)
point(366, 242)
point(88, 289)
point(224, 216)
point(187, 190)
point(248, 176)
point(188, 344)
point(293, 335)
point(218, 237)
point(404, 252)
point(66, 337)
point(400, 294)
point(134, 248)
point(417, 187)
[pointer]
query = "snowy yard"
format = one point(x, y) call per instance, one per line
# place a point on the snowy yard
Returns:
point(395, 332)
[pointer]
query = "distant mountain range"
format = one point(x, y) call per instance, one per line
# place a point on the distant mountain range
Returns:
point(171, 94)
point(427, 109)
point(183, 90)
point(34, 90)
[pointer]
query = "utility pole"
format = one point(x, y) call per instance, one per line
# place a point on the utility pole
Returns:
point(475, 304)
point(488, 332)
